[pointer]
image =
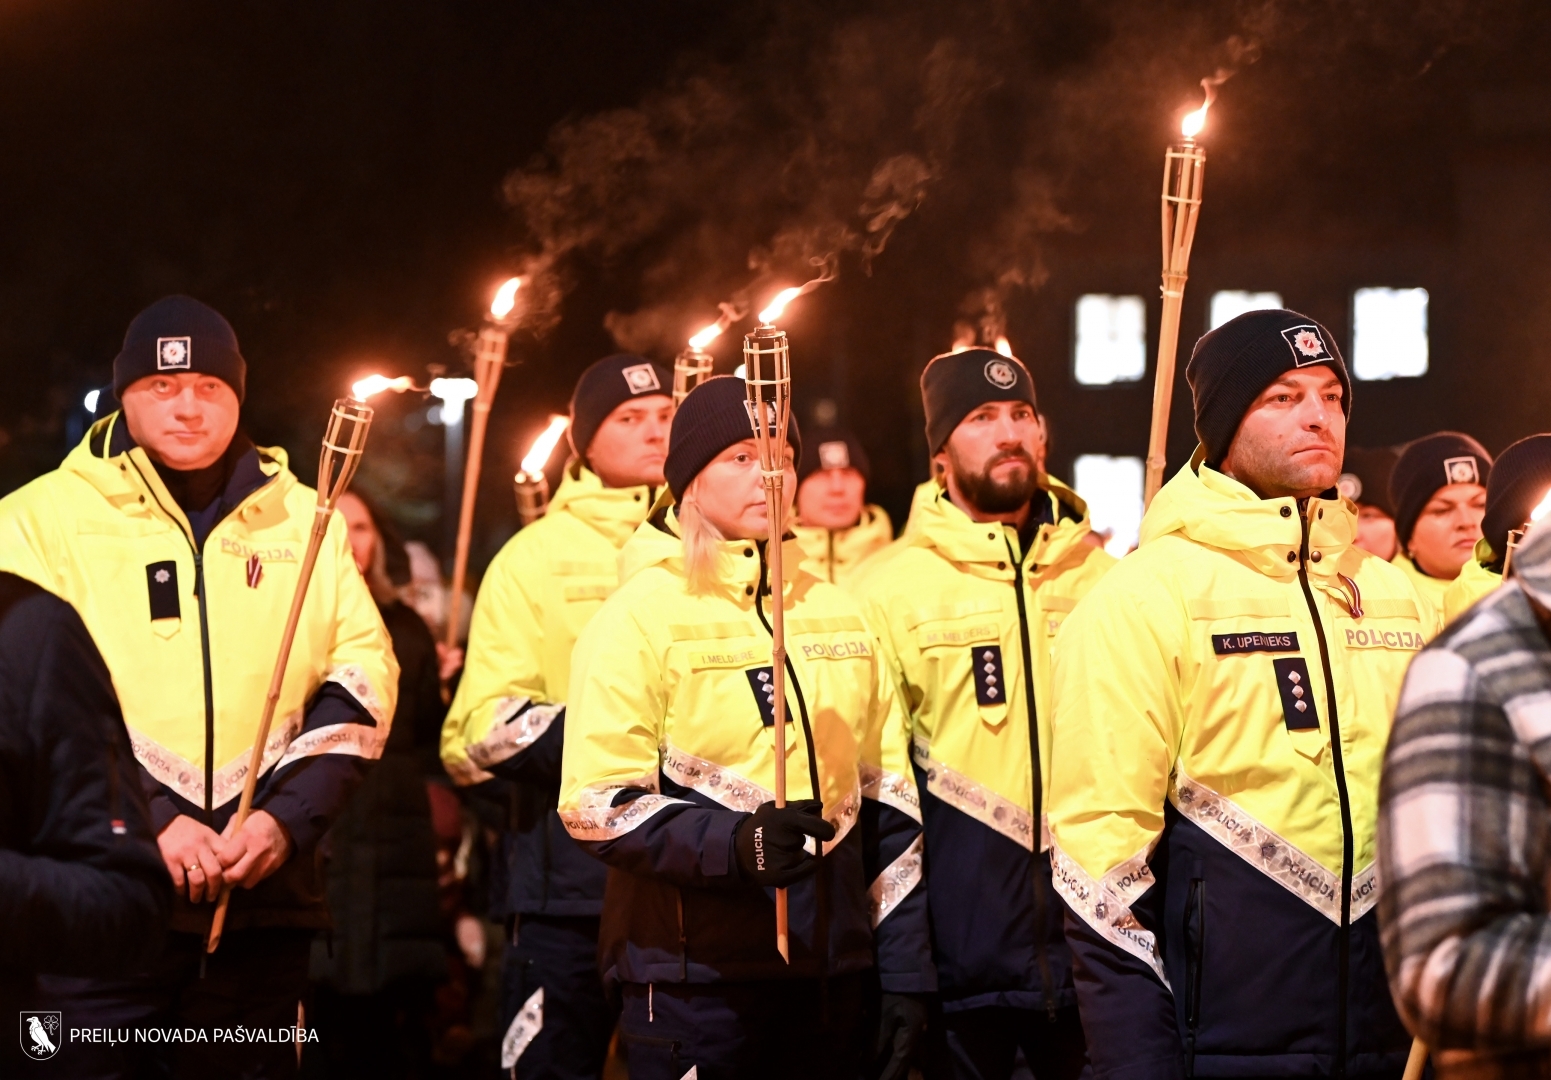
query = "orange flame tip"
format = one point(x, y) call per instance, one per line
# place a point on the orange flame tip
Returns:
point(505, 298)
point(778, 305)
point(706, 336)
point(544, 445)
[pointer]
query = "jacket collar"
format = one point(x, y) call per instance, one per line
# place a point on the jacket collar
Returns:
point(942, 525)
point(614, 512)
point(1215, 510)
point(111, 462)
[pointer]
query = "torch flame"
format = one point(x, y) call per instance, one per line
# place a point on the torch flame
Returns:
point(706, 336)
point(1193, 122)
point(505, 298)
point(363, 389)
point(1541, 510)
point(544, 445)
point(1004, 347)
point(778, 305)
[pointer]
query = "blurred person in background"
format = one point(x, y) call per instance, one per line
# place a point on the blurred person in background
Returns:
point(1438, 488)
point(1511, 499)
point(836, 526)
point(376, 972)
point(1365, 480)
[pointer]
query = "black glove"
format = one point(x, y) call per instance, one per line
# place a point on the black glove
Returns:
point(769, 842)
point(901, 1024)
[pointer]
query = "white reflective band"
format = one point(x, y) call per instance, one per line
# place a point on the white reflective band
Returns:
point(895, 883)
point(598, 819)
point(357, 740)
point(353, 678)
point(891, 789)
point(980, 803)
point(693, 1074)
point(842, 817)
point(528, 1022)
point(1106, 905)
point(716, 783)
point(1300, 874)
point(515, 726)
point(188, 780)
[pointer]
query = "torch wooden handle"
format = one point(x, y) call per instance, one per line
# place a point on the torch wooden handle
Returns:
point(490, 355)
point(1416, 1061)
point(271, 700)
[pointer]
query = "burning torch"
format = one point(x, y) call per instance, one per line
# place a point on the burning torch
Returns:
point(767, 365)
point(693, 366)
point(1516, 536)
point(343, 443)
point(1183, 169)
point(489, 358)
point(530, 482)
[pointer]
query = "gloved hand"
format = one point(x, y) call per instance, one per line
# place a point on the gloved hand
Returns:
point(769, 842)
point(901, 1024)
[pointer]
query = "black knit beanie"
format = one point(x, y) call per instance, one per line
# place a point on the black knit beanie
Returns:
point(607, 385)
point(832, 448)
point(955, 384)
point(1520, 478)
point(1234, 363)
point(177, 334)
point(713, 416)
point(1427, 464)
point(1365, 476)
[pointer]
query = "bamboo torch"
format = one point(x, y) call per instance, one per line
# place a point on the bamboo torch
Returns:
point(489, 358)
point(343, 444)
point(693, 366)
point(532, 486)
point(1183, 169)
point(767, 365)
point(1516, 536)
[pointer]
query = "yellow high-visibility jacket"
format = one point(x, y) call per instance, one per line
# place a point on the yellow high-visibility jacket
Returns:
point(508, 717)
point(833, 555)
point(924, 493)
point(1475, 580)
point(1223, 699)
point(1429, 588)
point(669, 746)
point(191, 636)
point(959, 609)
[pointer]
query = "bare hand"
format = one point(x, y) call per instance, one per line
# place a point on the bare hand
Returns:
point(254, 852)
point(188, 848)
point(449, 660)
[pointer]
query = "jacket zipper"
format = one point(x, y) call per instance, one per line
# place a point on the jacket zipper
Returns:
point(1344, 940)
point(1036, 828)
point(1195, 957)
point(830, 533)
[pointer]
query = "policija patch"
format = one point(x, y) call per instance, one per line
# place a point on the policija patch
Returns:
point(990, 678)
point(1297, 692)
point(161, 581)
point(762, 682)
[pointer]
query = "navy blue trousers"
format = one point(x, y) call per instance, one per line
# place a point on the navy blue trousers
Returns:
point(560, 955)
point(983, 1044)
point(774, 1030)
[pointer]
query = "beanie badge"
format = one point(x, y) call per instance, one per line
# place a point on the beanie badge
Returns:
point(1306, 345)
point(770, 417)
point(174, 353)
point(641, 378)
point(1000, 373)
point(1461, 470)
point(834, 455)
point(1350, 486)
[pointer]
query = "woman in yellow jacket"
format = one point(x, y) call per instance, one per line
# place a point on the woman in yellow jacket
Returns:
point(668, 775)
point(1512, 495)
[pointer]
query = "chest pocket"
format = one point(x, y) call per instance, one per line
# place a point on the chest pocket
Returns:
point(584, 585)
point(953, 640)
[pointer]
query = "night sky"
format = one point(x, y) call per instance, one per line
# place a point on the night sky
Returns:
point(349, 181)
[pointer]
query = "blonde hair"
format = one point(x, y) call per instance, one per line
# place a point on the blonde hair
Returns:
point(701, 540)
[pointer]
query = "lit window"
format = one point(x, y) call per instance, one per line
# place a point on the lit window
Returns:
point(1111, 339)
point(1112, 488)
point(1389, 333)
point(1231, 303)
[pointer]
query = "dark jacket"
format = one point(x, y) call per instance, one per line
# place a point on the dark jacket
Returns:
point(381, 852)
point(83, 890)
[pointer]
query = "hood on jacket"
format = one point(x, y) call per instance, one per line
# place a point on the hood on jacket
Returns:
point(614, 512)
point(941, 524)
point(658, 543)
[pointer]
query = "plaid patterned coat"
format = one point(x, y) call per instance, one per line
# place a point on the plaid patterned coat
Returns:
point(1465, 834)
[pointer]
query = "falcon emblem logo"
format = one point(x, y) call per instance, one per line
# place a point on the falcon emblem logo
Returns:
point(641, 378)
point(173, 353)
point(41, 1034)
point(1461, 470)
point(834, 455)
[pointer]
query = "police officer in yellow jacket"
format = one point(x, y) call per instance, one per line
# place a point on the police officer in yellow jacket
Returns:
point(669, 775)
point(968, 610)
point(1438, 488)
point(179, 542)
point(506, 726)
point(836, 526)
point(1223, 698)
point(1512, 496)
